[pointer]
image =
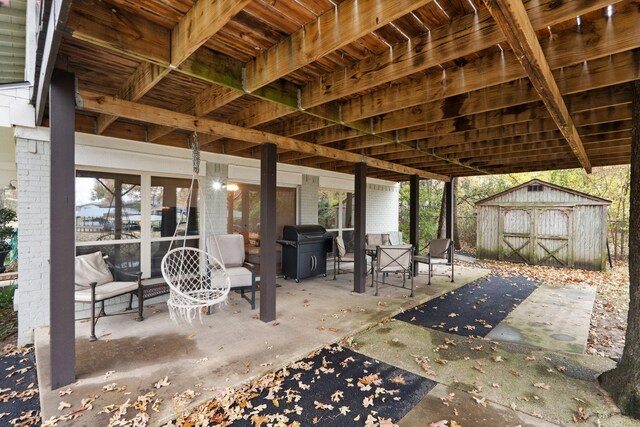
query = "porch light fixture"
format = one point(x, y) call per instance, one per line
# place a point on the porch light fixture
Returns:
point(11, 186)
point(217, 185)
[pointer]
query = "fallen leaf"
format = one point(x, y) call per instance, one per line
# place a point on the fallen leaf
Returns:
point(542, 385)
point(162, 383)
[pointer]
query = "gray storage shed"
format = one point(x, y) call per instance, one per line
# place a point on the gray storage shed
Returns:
point(542, 223)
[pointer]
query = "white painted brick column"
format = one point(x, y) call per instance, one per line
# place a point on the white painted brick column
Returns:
point(33, 160)
point(309, 199)
point(215, 200)
point(382, 208)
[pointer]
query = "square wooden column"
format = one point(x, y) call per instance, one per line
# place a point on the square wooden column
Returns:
point(414, 213)
point(268, 166)
point(360, 265)
point(450, 211)
point(62, 229)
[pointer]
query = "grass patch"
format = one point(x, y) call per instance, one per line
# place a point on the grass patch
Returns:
point(8, 319)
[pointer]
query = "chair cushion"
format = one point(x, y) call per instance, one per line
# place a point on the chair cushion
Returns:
point(92, 268)
point(239, 277)
point(227, 248)
point(106, 291)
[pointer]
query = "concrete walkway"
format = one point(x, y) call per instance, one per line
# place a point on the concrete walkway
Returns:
point(229, 348)
point(555, 318)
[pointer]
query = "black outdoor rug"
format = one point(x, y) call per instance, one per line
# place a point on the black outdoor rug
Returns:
point(334, 387)
point(474, 309)
point(19, 400)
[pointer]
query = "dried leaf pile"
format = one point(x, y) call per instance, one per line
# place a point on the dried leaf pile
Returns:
point(19, 400)
point(334, 386)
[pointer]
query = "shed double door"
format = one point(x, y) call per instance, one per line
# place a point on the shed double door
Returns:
point(536, 235)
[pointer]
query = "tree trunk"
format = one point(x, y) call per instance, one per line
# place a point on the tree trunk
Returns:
point(441, 218)
point(623, 382)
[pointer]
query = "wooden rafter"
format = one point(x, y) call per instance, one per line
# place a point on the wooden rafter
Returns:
point(198, 25)
point(349, 21)
point(110, 105)
point(511, 17)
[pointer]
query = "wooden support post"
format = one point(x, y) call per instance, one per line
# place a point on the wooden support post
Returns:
point(360, 265)
point(450, 212)
point(414, 213)
point(268, 167)
point(62, 229)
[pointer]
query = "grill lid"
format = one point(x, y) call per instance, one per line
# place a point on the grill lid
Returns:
point(298, 233)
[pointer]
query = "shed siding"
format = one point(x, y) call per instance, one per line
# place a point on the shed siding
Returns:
point(558, 213)
point(487, 235)
point(548, 195)
point(587, 243)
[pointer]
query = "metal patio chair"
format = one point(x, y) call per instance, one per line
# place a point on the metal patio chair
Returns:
point(439, 251)
point(96, 281)
point(393, 259)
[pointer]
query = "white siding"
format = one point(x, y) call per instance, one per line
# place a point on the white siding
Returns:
point(34, 165)
point(309, 199)
point(382, 208)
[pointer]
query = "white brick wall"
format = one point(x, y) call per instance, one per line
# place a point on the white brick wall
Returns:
point(216, 200)
point(33, 160)
point(382, 208)
point(309, 199)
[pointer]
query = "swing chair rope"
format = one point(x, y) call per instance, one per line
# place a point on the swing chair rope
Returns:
point(196, 279)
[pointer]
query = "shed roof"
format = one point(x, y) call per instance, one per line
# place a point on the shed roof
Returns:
point(411, 87)
point(594, 199)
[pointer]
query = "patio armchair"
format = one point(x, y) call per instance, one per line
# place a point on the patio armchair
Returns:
point(439, 251)
point(229, 250)
point(393, 259)
point(340, 255)
point(96, 281)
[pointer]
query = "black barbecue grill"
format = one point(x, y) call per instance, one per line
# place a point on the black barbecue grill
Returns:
point(304, 251)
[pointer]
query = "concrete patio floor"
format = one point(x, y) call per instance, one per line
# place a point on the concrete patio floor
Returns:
point(230, 347)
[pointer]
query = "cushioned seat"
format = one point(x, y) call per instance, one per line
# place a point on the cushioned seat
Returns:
point(95, 281)
point(106, 291)
point(228, 249)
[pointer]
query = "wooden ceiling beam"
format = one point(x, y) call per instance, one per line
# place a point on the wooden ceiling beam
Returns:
point(346, 23)
point(98, 103)
point(198, 25)
point(460, 37)
point(208, 100)
point(511, 17)
point(475, 77)
point(141, 81)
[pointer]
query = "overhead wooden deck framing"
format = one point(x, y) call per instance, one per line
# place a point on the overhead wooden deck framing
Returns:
point(434, 88)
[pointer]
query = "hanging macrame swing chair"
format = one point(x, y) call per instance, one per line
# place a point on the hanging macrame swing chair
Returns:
point(197, 281)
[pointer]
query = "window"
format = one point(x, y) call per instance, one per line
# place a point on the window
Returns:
point(170, 215)
point(535, 187)
point(336, 213)
point(136, 233)
point(243, 207)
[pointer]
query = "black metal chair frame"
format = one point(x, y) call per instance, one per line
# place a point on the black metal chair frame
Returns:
point(394, 262)
point(427, 259)
point(117, 274)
